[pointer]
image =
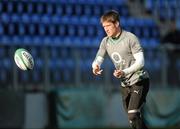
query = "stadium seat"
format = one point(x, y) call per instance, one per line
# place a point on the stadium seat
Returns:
point(36, 18)
point(38, 71)
point(16, 40)
point(25, 18)
point(46, 19)
point(69, 9)
point(5, 18)
point(10, 7)
point(87, 9)
point(5, 40)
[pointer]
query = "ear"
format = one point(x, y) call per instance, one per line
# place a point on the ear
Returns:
point(117, 24)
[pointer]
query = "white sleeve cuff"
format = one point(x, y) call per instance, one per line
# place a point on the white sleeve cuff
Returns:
point(98, 61)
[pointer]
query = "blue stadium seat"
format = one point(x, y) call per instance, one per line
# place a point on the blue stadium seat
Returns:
point(59, 10)
point(15, 18)
point(7, 63)
point(66, 19)
point(78, 9)
point(46, 40)
point(124, 10)
point(25, 18)
point(37, 41)
point(46, 19)
point(50, 9)
point(97, 10)
point(94, 20)
point(69, 9)
point(84, 20)
point(57, 41)
point(6, 40)
point(56, 19)
point(11, 29)
point(64, 53)
point(144, 42)
point(138, 31)
point(5, 18)
point(20, 7)
point(69, 70)
point(155, 32)
point(37, 18)
point(10, 7)
point(52, 29)
point(16, 40)
point(146, 32)
point(40, 8)
point(27, 40)
point(24, 77)
point(85, 70)
point(62, 30)
point(37, 75)
point(67, 41)
point(149, 5)
point(81, 31)
point(21, 29)
point(71, 30)
point(87, 10)
point(34, 51)
point(31, 29)
point(154, 43)
point(131, 21)
point(30, 8)
point(54, 53)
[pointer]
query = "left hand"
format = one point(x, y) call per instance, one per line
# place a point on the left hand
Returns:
point(118, 73)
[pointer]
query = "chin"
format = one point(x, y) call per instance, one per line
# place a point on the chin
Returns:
point(109, 35)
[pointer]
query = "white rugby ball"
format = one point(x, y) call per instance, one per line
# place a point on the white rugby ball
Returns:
point(23, 59)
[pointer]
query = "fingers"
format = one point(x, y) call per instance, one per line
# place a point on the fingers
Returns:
point(97, 71)
point(118, 73)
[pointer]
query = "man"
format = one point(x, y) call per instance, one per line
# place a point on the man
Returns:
point(126, 53)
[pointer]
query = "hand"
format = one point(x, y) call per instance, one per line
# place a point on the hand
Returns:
point(118, 73)
point(96, 70)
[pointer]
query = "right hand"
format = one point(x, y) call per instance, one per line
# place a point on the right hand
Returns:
point(96, 70)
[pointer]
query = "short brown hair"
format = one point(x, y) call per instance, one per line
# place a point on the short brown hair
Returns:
point(110, 16)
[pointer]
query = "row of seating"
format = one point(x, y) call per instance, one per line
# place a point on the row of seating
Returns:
point(164, 9)
point(61, 8)
point(70, 20)
point(50, 24)
point(162, 3)
point(65, 41)
point(91, 31)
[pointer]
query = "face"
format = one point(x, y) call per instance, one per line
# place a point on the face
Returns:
point(110, 28)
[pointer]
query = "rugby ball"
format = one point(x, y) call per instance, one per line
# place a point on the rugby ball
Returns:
point(23, 59)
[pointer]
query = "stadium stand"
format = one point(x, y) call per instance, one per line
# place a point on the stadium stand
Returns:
point(64, 27)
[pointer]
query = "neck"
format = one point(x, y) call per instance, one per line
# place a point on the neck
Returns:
point(118, 34)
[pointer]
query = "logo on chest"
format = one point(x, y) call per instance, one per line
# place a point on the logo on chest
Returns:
point(117, 59)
